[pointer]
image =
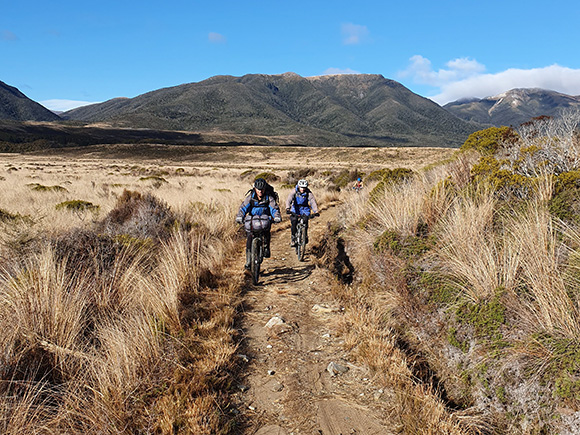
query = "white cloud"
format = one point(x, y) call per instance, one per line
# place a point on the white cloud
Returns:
point(465, 78)
point(64, 105)
point(331, 71)
point(554, 77)
point(422, 71)
point(353, 34)
point(7, 35)
point(216, 38)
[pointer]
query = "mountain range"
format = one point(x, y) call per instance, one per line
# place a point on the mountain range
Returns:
point(331, 110)
point(16, 106)
point(362, 109)
point(514, 107)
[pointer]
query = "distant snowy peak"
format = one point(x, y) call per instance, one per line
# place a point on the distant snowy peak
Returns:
point(513, 107)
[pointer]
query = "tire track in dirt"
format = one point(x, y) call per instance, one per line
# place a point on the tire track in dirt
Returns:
point(285, 387)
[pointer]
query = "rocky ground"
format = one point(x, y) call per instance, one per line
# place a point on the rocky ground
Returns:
point(296, 377)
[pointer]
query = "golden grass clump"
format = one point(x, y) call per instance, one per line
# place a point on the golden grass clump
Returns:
point(479, 288)
point(120, 323)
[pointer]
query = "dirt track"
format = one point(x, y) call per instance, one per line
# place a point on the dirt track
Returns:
point(286, 387)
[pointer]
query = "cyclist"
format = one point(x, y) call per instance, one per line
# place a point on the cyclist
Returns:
point(358, 184)
point(300, 202)
point(257, 212)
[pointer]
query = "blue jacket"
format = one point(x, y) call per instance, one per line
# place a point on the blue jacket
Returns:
point(302, 203)
point(252, 206)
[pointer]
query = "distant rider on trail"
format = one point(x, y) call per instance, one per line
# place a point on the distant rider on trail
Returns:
point(300, 202)
point(257, 212)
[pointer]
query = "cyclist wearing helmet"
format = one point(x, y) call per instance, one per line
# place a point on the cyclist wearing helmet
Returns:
point(300, 202)
point(358, 184)
point(257, 212)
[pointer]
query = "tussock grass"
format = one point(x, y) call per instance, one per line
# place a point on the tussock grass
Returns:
point(475, 290)
point(120, 323)
point(535, 238)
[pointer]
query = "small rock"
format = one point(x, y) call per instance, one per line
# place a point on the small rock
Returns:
point(244, 358)
point(327, 335)
point(318, 308)
point(252, 408)
point(276, 320)
point(277, 387)
point(336, 369)
point(271, 372)
point(269, 346)
point(243, 388)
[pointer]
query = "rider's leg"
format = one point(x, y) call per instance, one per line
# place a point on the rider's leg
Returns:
point(293, 221)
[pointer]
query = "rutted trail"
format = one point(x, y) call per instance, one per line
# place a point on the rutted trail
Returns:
point(286, 385)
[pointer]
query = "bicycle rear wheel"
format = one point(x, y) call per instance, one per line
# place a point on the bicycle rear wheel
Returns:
point(256, 259)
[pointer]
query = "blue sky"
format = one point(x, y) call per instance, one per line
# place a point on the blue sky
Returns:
point(63, 53)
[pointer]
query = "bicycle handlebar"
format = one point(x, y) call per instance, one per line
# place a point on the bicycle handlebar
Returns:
point(302, 215)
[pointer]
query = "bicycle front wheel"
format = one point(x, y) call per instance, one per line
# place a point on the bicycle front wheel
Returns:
point(301, 245)
point(256, 259)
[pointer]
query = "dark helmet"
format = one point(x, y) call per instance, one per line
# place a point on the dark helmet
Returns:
point(260, 183)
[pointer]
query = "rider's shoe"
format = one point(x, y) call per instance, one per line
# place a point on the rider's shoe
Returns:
point(266, 251)
point(293, 242)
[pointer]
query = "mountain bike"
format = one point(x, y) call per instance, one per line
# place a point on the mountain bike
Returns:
point(301, 236)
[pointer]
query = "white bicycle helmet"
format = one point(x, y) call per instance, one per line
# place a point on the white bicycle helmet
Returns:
point(302, 183)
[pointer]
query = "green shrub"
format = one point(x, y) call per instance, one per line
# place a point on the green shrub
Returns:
point(490, 172)
point(6, 216)
point(566, 205)
point(247, 173)
point(41, 188)
point(407, 247)
point(563, 364)
point(77, 205)
point(270, 177)
point(294, 176)
point(486, 316)
point(440, 289)
point(377, 175)
point(154, 178)
point(487, 142)
point(345, 177)
point(567, 181)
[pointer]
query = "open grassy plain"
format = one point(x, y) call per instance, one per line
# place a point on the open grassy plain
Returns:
point(448, 288)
